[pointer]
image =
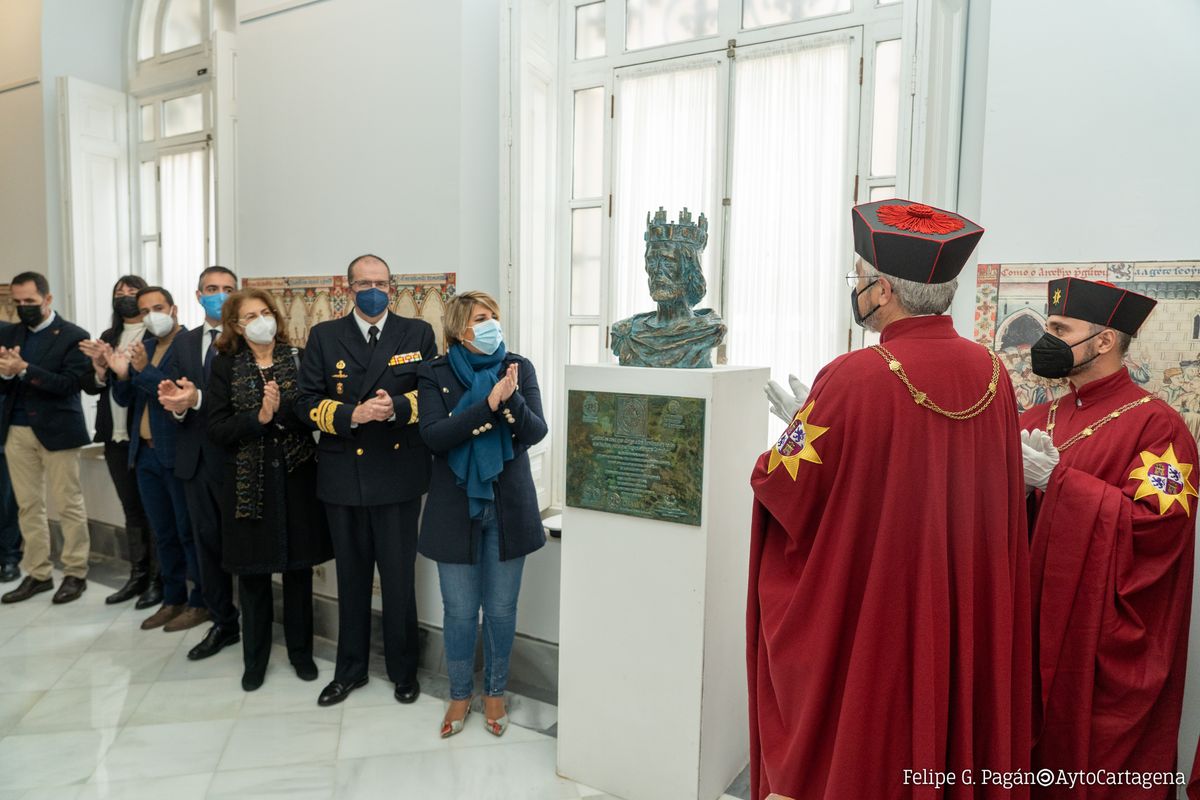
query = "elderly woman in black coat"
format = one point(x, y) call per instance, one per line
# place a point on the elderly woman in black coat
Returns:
point(272, 519)
point(480, 412)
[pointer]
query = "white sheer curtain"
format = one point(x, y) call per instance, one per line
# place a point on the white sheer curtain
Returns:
point(668, 150)
point(183, 229)
point(788, 249)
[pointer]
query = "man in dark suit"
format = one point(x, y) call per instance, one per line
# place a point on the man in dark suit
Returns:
point(139, 369)
point(43, 429)
point(358, 386)
point(198, 461)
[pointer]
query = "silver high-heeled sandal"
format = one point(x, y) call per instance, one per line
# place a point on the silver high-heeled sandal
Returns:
point(451, 727)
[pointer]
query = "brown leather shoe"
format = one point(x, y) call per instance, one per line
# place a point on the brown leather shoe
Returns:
point(70, 590)
point(161, 617)
point(190, 618)
point(28, 588)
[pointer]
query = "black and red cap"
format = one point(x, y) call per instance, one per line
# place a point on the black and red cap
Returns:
point(1100, 303)
point(913, 241)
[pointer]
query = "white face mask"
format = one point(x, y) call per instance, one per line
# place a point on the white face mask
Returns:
point(159, 324)
point(260, 330)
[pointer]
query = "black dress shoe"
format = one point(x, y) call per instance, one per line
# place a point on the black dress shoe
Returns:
point(9, 572)
point(250, 682)
point(28, 588)
point(132, 588)
point(153, 596)
point(305, 670)
point(408, 692)
point(336, 692)
point(70, 590)
point(213, 641)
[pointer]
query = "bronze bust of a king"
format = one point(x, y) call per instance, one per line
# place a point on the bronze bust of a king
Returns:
point(676, 335)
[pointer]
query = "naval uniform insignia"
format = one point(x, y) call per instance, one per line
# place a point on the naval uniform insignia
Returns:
point(339, 387)
point(340, 365)
point(796, 444)
point(404, 358)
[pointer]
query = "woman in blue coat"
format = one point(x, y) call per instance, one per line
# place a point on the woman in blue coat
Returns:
point(480, 413)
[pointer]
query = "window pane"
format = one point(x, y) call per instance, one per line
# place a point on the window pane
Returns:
point(149, 199)
point(885, 124)
point(181, 25)
point(585, 344)
point(183, 115)
point(667, 151)
point(589, 31)
point(588, 159)
point(649, 23)
point(148, 123)
point(150, 261)
point(882, 193)
point(888, 2)
point(758, 13)
point(585, 261)
point(791, 120)
point(146, 29)
point(184, 227)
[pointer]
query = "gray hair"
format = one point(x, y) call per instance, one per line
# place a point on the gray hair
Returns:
point(916, 298)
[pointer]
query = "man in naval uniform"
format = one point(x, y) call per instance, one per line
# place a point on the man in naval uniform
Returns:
point(358, 386)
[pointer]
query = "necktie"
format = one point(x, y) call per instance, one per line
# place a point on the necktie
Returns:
point(373, 332)
point(208, 353)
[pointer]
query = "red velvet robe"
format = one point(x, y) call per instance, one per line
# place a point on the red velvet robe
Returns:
point(1111, 575)
point(888, 618)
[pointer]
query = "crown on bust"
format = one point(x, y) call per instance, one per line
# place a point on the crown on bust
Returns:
point(685, 231)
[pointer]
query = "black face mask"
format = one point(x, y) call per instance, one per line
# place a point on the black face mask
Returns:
point(1051, 357)
point(126, 306)
point(32, 316)
point(860, 319)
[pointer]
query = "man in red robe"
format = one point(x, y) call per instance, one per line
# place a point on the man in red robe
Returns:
point(888, 620)
point(1113, 469)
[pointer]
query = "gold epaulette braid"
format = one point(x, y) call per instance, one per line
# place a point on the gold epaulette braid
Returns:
point(921, 399)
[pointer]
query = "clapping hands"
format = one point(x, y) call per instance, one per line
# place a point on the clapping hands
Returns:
point(99, 353)
point(178, 396)
point(270, 403)
point(11, 362)
point(379, 408)
point(504, 387)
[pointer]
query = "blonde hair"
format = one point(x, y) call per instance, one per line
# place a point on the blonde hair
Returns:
point(458, 313)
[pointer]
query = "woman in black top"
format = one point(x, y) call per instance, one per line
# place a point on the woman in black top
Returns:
point(112, 429)
point(272, 519)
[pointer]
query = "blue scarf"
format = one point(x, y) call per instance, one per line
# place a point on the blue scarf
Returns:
point(478, 462)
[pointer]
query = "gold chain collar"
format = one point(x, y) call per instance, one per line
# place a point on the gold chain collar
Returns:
point(922, 399)
point(1090, 429)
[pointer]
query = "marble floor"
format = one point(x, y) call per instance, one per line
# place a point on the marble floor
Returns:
point(93, 707)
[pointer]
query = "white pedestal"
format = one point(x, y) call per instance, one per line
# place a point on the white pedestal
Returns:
point(652, 654)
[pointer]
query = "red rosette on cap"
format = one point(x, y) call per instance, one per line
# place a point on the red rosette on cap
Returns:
point(919, 218)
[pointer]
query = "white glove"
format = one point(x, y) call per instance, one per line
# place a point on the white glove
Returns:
point(782, 405)
point(1041, 457)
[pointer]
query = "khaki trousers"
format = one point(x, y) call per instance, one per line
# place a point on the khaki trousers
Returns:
point(34, 471)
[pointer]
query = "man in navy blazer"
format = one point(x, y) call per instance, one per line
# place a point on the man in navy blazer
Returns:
point(199, 462)
point(152, 438)
point(358, 386)
point(42, 427)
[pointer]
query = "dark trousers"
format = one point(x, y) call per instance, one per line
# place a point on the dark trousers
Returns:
point(162, 497)
point(364, 536)
point(203, 492)
point(10, 529)
point(142, 556)
point(258, 613)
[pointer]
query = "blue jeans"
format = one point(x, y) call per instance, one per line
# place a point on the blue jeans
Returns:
point(166, 508)
point(493, 585)
point(10, 530)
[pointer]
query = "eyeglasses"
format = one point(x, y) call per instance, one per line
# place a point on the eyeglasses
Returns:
point(248, 318)
point(359, 286)
point(852, 279)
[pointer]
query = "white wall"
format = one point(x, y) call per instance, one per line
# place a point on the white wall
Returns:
point(366, 126)
point(1080, 145)
point(81, 40)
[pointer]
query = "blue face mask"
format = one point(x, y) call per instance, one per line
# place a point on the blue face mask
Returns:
point(371, 302)
point(212, 304)
point(488, 336)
